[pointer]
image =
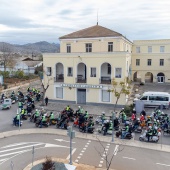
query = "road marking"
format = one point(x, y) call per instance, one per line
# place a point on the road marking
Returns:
point(15, 153)
point(1, 160)
point(116, 150)
point(20, 147)
point(62, 140)
point(16, 144)
point(76, 160)
point(81, 154)
point(162, 164)
point(104, 155)
point(89, 140)
point(100, 165)
point(79, 157)
point(129, 158)
point(84, 148)
point(53, 145)
point(87, 143)
point(68, 157)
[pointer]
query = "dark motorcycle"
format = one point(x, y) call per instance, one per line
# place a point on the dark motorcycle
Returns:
point(38, 123)
point(128, 135)
point(62, 124)
point(17, 123)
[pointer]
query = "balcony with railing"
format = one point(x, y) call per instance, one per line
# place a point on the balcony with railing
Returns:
point(81, 79)
point(59, 78)
point(105, 80)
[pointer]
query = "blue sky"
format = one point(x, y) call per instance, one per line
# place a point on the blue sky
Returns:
point(27, 21)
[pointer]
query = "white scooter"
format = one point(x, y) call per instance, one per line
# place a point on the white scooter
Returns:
point(152, 138)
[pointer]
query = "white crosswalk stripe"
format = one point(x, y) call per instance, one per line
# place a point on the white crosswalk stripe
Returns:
point(9, 151)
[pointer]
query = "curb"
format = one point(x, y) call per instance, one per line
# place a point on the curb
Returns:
point(78, 166)
point(131, 143)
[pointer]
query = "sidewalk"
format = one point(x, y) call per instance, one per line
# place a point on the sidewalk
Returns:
point(92, 109)
point(132, 143)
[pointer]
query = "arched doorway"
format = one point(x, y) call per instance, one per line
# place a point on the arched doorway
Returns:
point(161, 77)
point(148, 77)
point(81, 73)
point(106, 71)
point(59, 72)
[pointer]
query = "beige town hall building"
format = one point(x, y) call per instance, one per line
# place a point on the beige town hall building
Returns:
point(81, 73)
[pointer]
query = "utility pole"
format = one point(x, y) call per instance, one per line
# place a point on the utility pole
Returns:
point(33, 151)
point(71, 134)
point(12, 165)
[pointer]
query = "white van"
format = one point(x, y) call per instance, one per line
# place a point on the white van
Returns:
point(156, 99)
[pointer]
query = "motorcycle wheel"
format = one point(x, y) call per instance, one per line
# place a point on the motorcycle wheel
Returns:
point(157, 141)
point(141, 139)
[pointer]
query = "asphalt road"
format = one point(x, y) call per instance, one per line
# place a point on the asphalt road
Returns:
point(18, 149)
point(6, 117)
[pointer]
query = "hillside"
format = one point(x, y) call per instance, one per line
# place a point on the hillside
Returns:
point(38, 47)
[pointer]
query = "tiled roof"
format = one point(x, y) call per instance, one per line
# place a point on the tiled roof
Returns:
point(94, 31)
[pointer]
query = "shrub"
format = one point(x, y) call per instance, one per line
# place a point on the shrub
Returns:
point(128, 110)
point(5, 74)
point(5, 86)
point(48, 164)
point(19, 74)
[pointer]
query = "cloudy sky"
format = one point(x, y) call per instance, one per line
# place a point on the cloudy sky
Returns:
point(27, 21)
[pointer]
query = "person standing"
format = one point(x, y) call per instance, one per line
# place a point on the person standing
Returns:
point(46, 100)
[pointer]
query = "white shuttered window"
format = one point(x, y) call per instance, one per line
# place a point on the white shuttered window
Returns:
point(59, 92)
point(105, 96)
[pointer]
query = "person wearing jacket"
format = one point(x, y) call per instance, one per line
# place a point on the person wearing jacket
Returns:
point(51, 117)
point(46, 101)
point(149, 133)
point(125, 132)
point(43, 120)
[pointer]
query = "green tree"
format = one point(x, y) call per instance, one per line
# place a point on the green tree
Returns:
point(118, 89)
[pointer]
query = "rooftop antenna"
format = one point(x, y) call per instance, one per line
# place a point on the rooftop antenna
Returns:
point(97, 16)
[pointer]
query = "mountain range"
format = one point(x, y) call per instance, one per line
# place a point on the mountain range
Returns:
point(36, 48)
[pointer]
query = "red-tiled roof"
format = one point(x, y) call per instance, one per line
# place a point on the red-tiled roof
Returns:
point(94, 31)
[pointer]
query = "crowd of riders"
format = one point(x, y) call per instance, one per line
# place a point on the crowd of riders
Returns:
point(81, 119)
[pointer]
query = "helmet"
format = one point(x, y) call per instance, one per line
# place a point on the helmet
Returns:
point(154, 120)
point(123, 108)
point(36, 110)
point(148, 116)
point(150, 127)
point(155, 128)
point(138, 119)
point(158, 121)
point(79, 107)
